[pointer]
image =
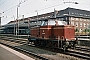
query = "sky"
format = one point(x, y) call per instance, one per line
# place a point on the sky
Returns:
point(28, 8)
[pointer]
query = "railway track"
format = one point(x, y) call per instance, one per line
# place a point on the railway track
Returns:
point(26, 51)
point(80, 51)
point(10, 39)
point(83, 48)
point(75, 53)
point(79, 54)
point(41, 52)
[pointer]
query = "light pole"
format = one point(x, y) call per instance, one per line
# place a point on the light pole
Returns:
point(68, 21)
point(14, 24)
point(17, 21)
point(0, 19)
point(29, 26)
point(23, 18)
point(37, 17)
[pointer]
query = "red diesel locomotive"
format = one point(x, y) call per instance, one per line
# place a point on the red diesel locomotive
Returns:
point(53, 35)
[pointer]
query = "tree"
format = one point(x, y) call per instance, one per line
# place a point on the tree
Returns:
point(76, 30)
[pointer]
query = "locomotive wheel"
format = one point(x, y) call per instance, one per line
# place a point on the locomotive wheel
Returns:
point(28, 42)
point(74, 46)
point(49, 43)
point(64, 48)
point(42, 43)
point(36, 42)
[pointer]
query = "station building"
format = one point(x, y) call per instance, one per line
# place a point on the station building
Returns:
point(77, 17)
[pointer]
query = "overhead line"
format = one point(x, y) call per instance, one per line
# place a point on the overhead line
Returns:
point(3, 2)
point(13, 7)
point(49, 7)
point(32, 12)
point(46, 8)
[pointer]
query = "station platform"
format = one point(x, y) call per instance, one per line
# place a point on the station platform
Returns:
point(10, 54)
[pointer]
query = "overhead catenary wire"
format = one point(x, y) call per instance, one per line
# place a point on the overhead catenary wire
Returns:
point(30, 12)
point(9, 9)
point(45, 8)
point(3, 2)
point(14, 6)
point(53, 6)
point(31, 2)
point(11, 4)
point(50, 7)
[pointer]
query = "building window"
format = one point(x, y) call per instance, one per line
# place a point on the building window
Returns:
point(76, 24)
point(76, 18)
point(35, 22)
point(81, 24)
point(72, 18)
point(81, 14)
point(89, 20)
point(80, 19)
point(69, 22)
point(66, 18)
point(84, 19)
point(61, 19)
point(72, 13)
point(25, 22)
point(87, 24)
point(72, 23)
point(84, 24)
point(80, 30)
